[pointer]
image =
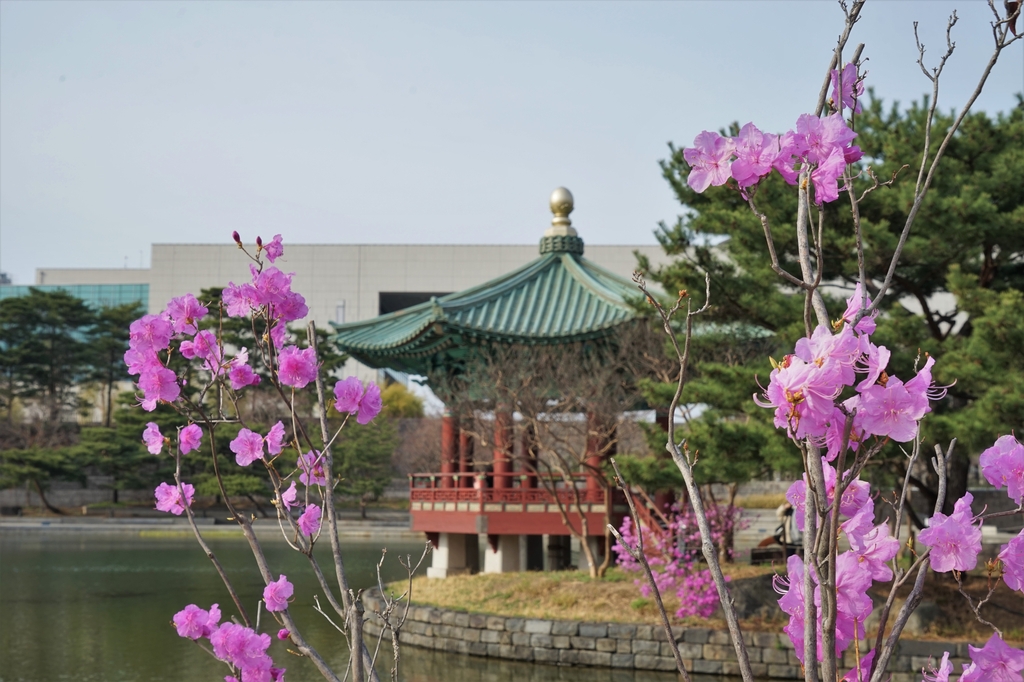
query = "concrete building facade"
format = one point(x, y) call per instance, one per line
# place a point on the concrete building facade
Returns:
point(341, 282)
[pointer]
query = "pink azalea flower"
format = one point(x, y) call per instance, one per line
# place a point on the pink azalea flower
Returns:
point(202, 346)
point(1003, 464)
point(852, 585)
point(997, 661)
point(792, 602)
point(835, 431)
point(168, 498)
point(275, 439)
point(189, 438)
point(296, 367)
point(240, 299)
point(159, 383)
point(244, 649)
point(371, 405)
point(277, 593)
point(823, 346)
point(954, 540)
point(940, 674)
point(309, 521)
point(922, 388)
point(241, 374)
point(791, 150)
point(755, 153)
point(827, 175)
point(272, 286)
point(153, 439)
point(194, 623)
point(890, 411)
point(283, 634)
point(150, 333)
point(802, 394)
point(347, 394)
point(140, 361)
point(1012, 556)
point(288, 497)
point(875, 360)
point(851, 91)
point(247, 446)
point(796, 495)
point(709, 161)
point(822, 135)
point(312, 467)
point(292, 308)
point(853, 306)
point(278, 334)
point(274, 249)
point(185, 311)
point(874, 550)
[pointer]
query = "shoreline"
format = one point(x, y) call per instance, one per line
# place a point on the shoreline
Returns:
point(156, 527)
point(622, 645)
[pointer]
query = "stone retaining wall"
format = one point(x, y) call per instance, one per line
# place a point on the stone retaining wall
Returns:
point(622, 645)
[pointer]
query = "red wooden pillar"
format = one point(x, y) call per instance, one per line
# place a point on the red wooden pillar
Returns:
point(449, 448)
point(465, 459)
point(502, 448)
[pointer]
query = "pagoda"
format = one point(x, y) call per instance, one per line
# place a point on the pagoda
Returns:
point(559, 298)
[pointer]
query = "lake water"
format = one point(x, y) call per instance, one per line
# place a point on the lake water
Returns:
point(96, 607)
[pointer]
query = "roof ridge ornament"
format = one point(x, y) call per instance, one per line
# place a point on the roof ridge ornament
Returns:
point(561, 237)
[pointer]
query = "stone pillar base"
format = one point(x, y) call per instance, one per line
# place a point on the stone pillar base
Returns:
point(506, 558)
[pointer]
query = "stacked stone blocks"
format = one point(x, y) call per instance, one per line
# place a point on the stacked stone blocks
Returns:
point(623, 645)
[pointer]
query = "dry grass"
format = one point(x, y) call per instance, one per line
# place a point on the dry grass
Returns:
point(564, 595)
point(572, 595)
point(760, 501)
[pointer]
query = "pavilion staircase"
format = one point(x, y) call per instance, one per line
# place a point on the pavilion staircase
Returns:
point(651, 517)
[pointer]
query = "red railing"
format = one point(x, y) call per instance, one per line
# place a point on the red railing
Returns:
point(521, 489)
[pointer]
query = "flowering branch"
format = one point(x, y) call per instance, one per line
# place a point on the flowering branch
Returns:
point(638, 554)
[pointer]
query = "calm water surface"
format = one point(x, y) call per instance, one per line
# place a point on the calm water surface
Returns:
point(93, 607)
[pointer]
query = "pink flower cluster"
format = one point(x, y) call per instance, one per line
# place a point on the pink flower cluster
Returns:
point(674, 556)
point(351, 397)
point(871, 546)
point(169, 499)
point(189, 438)
point(248, 445)
point(277, 593)
point(241, 647)
point(955, 540)
point(995, 662)
point(1003, 465)
point(819, 145)
point(269, 292)
point(804, 386)
point(147, 337)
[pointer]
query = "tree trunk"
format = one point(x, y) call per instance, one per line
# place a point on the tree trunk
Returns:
point(110, 395)
point(362, 508)
point(42, 496)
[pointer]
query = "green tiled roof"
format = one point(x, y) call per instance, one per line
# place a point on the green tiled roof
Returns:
point(558, 298)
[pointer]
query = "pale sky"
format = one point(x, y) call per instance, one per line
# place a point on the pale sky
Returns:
point(125, 124)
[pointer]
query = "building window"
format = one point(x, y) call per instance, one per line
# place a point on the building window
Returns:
point(339, 313)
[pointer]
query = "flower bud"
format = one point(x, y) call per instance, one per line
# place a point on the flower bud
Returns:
point(238, 240)
point(283, 634)
point(259, 242)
